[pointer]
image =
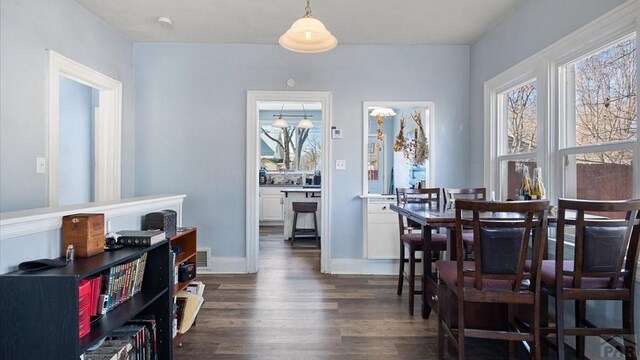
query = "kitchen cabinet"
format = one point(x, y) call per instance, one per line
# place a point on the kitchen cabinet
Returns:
point(271, 204)
point(382, 240)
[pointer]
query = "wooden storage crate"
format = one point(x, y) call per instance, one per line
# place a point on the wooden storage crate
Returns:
point(85, 232)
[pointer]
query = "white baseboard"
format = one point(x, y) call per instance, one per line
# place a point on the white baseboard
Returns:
point(364, 266)
point(226, 265)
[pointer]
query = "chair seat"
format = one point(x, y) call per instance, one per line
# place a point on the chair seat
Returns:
point(438, 241)
point(467, 238)
point(448, 272)
point(549, 276)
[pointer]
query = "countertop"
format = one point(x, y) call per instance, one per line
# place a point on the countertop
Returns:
point(301, 189)
point(291, 186)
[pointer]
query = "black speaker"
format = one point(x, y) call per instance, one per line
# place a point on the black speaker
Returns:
point(165, 220)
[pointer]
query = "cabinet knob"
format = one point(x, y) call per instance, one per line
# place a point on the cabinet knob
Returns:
point(384, 207)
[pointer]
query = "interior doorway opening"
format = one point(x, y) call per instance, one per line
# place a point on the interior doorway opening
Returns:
point(288, 154)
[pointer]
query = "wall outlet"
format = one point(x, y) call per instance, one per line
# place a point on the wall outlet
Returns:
point(341, 164)
point(41, 165)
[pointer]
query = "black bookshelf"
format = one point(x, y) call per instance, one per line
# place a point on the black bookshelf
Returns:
point(39, 310)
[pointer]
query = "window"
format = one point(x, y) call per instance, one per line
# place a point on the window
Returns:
point(517, 134)
point(290, 148)
point(600, 123)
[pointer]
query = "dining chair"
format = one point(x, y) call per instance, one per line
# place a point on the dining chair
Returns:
point(504, 233)
point(411, 237)
point(602, 266)
point(450, 196)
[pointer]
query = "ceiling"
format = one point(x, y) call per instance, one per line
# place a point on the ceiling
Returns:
point(404, 22)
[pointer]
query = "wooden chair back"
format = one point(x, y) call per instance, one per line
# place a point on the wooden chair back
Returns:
point(430, 197)
point(502, 243)
point(451, 194)
point(604, 248)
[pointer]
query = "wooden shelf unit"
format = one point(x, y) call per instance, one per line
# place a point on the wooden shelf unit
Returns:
point(40, 309)
point(188, 241)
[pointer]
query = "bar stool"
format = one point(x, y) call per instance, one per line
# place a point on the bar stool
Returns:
point(305, 208)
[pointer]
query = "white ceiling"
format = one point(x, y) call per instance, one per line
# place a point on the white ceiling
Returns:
point(400, 22)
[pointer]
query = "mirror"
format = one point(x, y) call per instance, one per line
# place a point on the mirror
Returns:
point(397, 146)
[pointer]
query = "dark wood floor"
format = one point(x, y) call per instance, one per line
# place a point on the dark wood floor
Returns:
point(289, 310)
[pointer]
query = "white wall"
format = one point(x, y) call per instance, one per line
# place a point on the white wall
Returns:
point(191, 114)
point(27, 30)
point(75, 164)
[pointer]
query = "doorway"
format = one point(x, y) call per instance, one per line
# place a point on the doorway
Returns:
point(106, 132)
point(290, 166)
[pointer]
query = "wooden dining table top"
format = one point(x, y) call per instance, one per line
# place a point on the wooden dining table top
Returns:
point(444, 216)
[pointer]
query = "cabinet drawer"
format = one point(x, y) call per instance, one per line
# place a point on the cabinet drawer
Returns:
point(380, 208)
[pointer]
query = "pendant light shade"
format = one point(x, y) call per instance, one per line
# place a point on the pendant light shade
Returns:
point(280, 122)
point(305, 123)
point(308, 35)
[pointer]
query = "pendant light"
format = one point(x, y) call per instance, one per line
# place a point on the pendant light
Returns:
point(308, 35)
point(305, 123)
point(280, 122)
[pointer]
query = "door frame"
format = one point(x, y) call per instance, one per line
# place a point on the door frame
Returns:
point(253, 162)
point(108, 127)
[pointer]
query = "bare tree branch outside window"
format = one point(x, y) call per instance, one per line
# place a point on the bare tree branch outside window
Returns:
point(522, 119)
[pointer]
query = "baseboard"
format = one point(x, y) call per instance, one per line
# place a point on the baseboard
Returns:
point(226, 265)
point(364, 266)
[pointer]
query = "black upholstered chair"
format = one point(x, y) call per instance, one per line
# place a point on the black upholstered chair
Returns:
point(503, 236)
point(603, 266)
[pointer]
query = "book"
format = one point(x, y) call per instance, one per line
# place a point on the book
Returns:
point(140, 237)
point(187, 313)
point(120, 284)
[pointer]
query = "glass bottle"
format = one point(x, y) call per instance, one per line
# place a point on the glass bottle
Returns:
point(538, 187)
point(525, 186)
point(70, 253)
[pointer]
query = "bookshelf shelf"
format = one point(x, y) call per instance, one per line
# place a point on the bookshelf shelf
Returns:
point(187, 240)
point(40, 309)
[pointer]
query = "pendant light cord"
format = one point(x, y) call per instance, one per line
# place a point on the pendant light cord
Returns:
point(307, 9)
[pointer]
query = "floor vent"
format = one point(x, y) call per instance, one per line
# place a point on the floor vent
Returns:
point(203, 259)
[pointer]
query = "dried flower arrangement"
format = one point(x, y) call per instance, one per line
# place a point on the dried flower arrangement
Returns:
point(416, 150)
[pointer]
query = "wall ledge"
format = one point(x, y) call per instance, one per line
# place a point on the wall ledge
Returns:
point(19, 223)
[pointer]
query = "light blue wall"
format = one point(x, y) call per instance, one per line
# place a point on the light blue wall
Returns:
point(191, 115)
point(75, 162)
point(27, 30)
point(529, 28)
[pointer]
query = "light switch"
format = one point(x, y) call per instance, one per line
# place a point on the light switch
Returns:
point(341, 164)
point(41, 165)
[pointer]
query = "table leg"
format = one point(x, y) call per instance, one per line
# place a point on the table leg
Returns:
point(452, 247)
point(426, 270)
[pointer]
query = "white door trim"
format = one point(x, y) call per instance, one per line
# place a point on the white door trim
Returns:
point(108, 127)
point(252, 164)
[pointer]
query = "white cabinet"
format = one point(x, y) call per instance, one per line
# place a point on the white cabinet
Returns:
point(271, 204)
point(382, 240)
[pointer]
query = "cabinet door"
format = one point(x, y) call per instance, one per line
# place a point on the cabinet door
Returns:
point(272, 208)
point(383, 239)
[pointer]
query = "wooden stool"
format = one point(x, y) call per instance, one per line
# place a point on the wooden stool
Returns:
point(304, 208)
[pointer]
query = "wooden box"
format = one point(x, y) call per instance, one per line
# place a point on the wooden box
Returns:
point(85, 232)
